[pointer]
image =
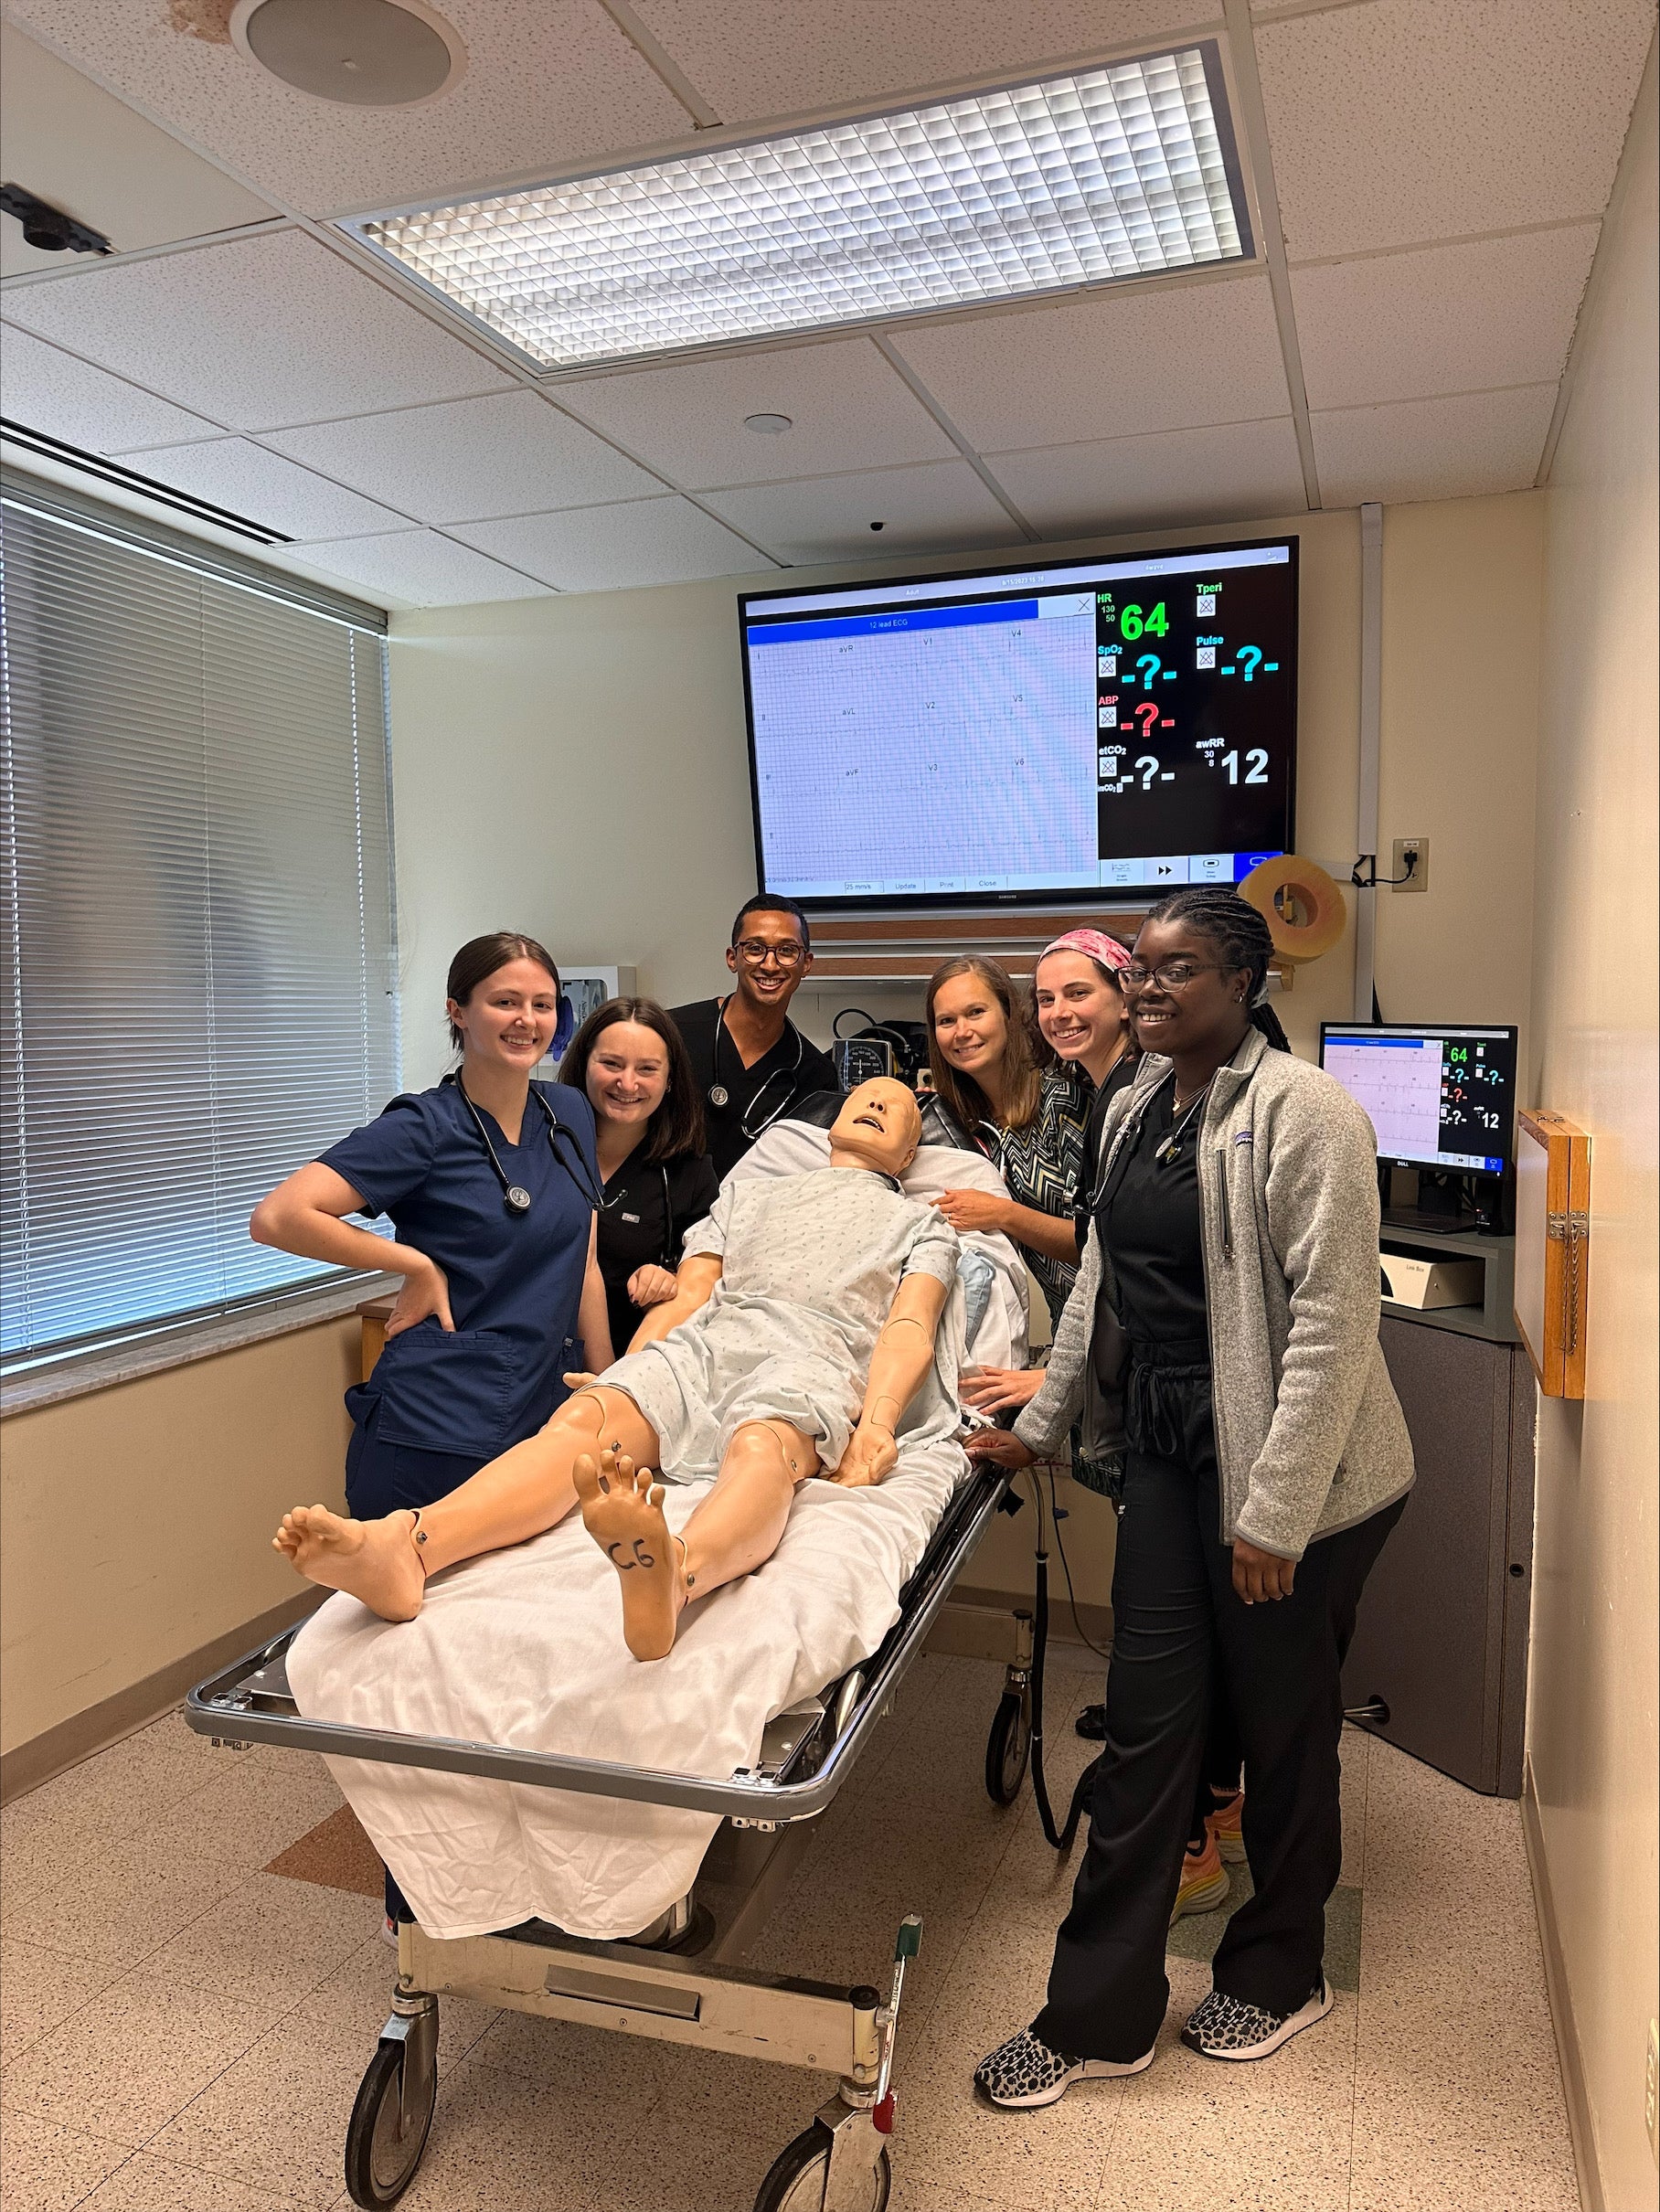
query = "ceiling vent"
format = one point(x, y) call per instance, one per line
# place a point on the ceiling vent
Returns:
point(365, 53)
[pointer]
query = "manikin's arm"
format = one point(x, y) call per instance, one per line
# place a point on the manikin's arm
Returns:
point(698, 1274)
point(903, 1355)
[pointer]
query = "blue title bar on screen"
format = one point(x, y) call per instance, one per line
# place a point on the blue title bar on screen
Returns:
point(870, 625)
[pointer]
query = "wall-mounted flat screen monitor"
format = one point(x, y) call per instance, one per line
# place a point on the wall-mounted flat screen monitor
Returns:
point(1439, 1096)
point(1026, 736)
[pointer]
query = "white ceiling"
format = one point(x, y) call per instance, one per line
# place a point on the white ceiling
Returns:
point(1438, 169)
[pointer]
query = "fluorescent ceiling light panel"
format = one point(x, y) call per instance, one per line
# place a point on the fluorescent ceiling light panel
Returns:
point(1123, 171)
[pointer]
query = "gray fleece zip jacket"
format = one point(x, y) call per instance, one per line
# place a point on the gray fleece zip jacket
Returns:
point(1310, 1435)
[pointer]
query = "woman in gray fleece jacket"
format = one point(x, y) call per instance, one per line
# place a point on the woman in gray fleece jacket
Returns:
point(1223, 1343)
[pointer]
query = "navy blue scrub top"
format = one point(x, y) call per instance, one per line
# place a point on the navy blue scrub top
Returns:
point(515, 1280)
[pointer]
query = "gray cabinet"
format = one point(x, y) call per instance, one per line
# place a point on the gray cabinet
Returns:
point(1442, 1632)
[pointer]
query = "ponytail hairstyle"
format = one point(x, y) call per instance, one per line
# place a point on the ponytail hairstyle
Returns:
point(1242, 940)
point(479, 959)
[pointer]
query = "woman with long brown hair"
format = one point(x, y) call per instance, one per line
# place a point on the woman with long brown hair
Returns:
point(630, 1062)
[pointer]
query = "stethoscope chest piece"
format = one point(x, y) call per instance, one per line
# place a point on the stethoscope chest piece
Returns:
point(719, 1094)
point(518, 1199)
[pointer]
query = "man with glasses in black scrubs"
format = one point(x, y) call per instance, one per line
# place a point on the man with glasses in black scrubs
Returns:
point(752, 1063)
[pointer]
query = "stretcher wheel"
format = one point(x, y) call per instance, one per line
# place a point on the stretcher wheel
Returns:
point(797, 2177)
point(383, 2148)
point(1008, 1748)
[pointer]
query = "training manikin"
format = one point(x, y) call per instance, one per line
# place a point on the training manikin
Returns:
point(803, 1328)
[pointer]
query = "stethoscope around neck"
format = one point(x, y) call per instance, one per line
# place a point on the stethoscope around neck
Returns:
point(720, 1096)
point(517, 1198)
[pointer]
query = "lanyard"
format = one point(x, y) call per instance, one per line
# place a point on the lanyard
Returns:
point(517, 1196)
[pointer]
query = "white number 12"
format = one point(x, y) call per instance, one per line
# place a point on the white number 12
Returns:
point(1257, 768)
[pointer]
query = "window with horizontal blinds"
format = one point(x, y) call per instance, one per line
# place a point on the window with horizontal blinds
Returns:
point(196, 894)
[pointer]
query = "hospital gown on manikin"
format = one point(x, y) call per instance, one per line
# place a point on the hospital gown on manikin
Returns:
point(810, 1267)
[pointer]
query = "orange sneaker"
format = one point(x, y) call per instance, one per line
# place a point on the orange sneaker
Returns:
point(1204, 1884)
point(1227, 1825)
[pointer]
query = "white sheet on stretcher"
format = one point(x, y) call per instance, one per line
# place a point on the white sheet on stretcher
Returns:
point(524, 1648)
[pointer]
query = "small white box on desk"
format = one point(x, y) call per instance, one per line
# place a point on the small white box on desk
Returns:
point(1416, 1279)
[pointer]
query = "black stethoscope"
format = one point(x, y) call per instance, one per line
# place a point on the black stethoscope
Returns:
point(516, 1194)
point(718, 1095)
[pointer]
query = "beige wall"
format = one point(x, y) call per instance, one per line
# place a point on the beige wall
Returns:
point(577, 766)
point(1591, 1730)
point(138, 1520)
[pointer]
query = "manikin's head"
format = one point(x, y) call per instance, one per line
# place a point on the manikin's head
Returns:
point(879, 1127)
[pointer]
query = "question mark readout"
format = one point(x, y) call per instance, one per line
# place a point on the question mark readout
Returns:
point(1148, 763)
point(1251, 654)
point(1149, 665)
point(1146, 714)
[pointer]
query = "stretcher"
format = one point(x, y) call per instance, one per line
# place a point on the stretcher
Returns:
point(679, 1980)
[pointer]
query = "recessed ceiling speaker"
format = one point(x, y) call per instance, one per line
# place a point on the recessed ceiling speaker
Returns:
point(365, 53)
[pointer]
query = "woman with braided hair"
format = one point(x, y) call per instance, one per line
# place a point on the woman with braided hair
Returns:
point(1222, 1336)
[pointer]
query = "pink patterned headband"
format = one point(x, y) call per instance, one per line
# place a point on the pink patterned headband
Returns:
point(1095, 945)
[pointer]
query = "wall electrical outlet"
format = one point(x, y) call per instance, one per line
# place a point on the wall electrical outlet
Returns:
point(1651, 2090)
point(1419, 881)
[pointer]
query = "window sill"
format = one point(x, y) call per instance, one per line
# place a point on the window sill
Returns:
point(105, 1367)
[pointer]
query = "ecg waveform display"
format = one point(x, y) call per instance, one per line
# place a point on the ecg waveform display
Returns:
point(1126, 723)
point(1443, 1099)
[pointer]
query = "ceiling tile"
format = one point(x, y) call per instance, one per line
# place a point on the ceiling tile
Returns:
point(767, 58)
point(1448, 319)
point(1406, 121)
point(87, 152)
point(258, 334)
point(545, 84)
point(1433, 448)
point(1112, 364)
point(421, 569)
point(940, 506)
point(647, 541)
point(848, 409)
point(263, 487)
point(1224, 475)
point(471, 459)
point(68, 399)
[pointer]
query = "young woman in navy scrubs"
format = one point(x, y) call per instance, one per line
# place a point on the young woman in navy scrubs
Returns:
point(492, 1186)
point(630, 1062)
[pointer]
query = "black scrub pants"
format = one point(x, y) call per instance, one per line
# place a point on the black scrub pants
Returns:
point(1176, 1616)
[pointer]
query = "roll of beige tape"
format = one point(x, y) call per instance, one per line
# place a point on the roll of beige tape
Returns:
point(1318, 904)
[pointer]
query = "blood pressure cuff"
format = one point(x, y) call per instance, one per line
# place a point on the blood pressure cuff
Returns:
point(440, 1391)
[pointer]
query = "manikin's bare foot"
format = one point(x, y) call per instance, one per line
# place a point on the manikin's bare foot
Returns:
point(374, 1560)
point(623, 1512)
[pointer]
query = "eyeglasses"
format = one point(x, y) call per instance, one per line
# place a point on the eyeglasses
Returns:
point(755, 952)
point(1169, 975)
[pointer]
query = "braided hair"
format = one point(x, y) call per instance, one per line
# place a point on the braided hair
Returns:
point(1242, 940)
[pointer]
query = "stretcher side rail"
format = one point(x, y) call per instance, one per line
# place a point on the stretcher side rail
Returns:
point(222, 1706)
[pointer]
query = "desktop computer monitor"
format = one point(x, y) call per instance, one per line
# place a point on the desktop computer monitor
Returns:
point(1441, 1095)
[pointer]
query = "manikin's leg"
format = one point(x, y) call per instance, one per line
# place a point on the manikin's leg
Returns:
point(386, 1563)
point(734, 1530)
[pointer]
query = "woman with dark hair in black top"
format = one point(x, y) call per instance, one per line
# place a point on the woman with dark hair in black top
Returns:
point(630, 1063)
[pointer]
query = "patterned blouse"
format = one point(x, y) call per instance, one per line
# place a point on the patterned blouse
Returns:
point(1042, 1164)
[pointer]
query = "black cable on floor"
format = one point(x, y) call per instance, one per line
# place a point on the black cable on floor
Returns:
point(1060, 1838)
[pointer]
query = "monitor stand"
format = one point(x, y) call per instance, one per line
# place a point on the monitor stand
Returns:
point(1423, 1224)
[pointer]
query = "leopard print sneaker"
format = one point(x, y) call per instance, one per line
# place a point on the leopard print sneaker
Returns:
point(1024, 2072)
point(1226, 2027)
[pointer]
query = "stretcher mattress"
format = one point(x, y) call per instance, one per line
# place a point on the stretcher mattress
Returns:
point(524, 1648)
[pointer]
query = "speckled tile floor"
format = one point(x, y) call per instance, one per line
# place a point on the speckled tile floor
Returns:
point(184, 2032)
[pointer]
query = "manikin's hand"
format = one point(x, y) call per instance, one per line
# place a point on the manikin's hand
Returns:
point(999, 1444)
point(426, 1289)
point(974, 1209)
point(990, 1390)
point(653, 1285)
point(578, 1381)
point(1260, 1576)
point(871, 1455)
